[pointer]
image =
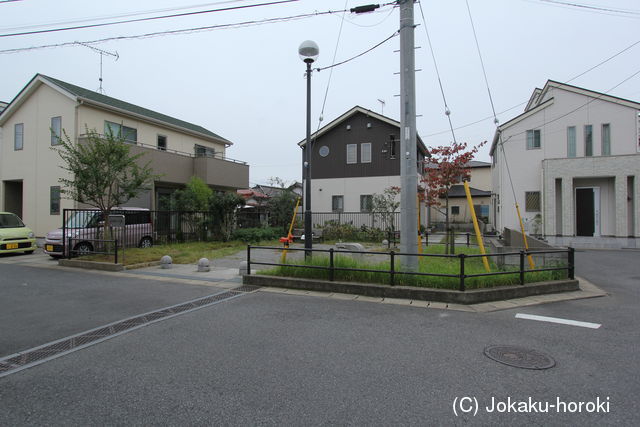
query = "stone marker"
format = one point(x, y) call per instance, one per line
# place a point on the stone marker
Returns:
point(203, 265)
point(166, 262)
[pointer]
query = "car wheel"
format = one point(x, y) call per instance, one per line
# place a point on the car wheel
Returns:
point(146, 242)
point(28, 252)
point(83, 248)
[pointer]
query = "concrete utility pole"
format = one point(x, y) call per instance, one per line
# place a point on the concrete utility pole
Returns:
point(408, 146)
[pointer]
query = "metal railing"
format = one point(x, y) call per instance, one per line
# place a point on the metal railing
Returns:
point(99, 247)
point(393, 272)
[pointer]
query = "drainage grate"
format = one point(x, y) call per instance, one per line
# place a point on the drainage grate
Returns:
point(43, 353)
point(519, 357)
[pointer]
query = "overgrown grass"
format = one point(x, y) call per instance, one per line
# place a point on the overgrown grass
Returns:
point(431, 265)
point(181, 253)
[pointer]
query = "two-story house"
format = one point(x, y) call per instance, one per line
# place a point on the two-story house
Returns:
point(46, 108)
point(572, 159)
point(354, 157)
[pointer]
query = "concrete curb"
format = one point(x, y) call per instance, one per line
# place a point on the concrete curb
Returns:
point(91, 265)
point(474, 296)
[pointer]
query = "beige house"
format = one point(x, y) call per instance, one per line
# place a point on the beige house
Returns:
point(46, 107)
point(459, 211)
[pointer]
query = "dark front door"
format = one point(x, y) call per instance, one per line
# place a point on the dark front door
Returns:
point(585, 212)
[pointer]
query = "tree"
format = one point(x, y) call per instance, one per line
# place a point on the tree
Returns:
point(190, 202)
point(223, 207)
point(385, 205)
point(281, 204)
point(104, 174)
point(447, 166)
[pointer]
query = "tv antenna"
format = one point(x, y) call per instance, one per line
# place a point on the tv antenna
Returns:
point(382, 104)
point(102, 53)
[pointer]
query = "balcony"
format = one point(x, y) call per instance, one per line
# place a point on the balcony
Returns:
point(177, 167)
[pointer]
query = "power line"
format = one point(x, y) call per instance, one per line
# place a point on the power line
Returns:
point(152, 18)
point(356, 56)
point(121, 15)
point(447, 112)
point(591, 8)
point(180, 31)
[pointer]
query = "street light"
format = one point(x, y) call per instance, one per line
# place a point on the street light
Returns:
point(308, 52)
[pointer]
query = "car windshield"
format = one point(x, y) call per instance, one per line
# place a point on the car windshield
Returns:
point(83, 219)
point(9, 220)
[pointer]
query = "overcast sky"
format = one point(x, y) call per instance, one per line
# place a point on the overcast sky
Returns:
point(247, 84)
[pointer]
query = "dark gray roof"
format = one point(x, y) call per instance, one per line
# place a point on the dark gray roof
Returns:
point(458, 191)
point(478, 164)
point(134, 109)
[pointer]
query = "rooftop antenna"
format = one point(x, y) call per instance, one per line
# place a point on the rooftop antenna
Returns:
point(102, 53)
point(382, 104)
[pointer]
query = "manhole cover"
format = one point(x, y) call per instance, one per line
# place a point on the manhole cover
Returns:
point(519, 357)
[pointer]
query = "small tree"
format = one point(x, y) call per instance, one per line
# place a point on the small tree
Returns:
point(224, 207)
point(103, 172)
point(190, 202)
point(281, 205)
point(385, 205)
point(446, 167)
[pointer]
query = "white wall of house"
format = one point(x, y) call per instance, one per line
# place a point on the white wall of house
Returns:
point(37, 165)
point(545, 168)
point(94, 118)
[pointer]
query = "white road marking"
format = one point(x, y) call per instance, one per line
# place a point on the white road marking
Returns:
point(558, 320)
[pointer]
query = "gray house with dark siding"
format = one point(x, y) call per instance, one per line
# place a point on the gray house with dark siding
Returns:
point(353, 157)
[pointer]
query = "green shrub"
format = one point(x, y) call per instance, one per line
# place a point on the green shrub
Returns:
point(251, 235)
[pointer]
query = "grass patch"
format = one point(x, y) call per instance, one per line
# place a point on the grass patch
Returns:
point(181, 253)
point(431, 265)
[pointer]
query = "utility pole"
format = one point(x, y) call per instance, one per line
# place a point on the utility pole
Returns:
point(408, 146)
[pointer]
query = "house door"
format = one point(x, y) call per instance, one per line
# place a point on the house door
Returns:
point(588, 211)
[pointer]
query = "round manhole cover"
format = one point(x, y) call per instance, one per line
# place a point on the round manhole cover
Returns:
point(519, 357)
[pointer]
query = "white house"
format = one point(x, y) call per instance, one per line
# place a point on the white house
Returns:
point(572, 159)
point(31, 123)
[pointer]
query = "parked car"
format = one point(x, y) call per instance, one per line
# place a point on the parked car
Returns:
point(85, 231)
point(14, 235)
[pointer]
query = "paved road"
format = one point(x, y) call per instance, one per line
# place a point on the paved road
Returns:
point(277, 359)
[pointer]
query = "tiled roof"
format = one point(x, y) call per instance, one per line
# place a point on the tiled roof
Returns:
point(131, 108)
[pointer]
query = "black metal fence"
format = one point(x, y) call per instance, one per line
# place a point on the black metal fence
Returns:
point(393, 272)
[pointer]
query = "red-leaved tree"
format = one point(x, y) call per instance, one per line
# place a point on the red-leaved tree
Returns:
point(447, 166)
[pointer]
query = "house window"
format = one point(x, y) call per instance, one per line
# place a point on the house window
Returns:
point(606, 139)
point(352, 154)
point(482, 212)
point(532, 201)
point(365, 152)
point(337, 203)
point(162, 143)
point(56, 130)
point(571, 141)
point(18, 136)
point(202, 151)
point(588, 140)
point(120, 131)
point(455, 210)
point(366, 203)
point(533, 139)
point(54, 200)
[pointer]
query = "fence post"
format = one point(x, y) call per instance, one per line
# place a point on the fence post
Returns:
point(426, 239)
point(467, 239)
point(331, 264)
point(116, 257)
point(462, 275)
point(522, 267)
point(571, 261)
point(64, 234)
point(392, 270)
point(248, 260)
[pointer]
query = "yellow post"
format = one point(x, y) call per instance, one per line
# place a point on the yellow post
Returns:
point(283, 258)
point(524, 238)
point(476, 228)
point(419, 235)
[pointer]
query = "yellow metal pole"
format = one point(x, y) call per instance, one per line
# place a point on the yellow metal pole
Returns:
point(283, 258)
point(476, 228)
point(524, 238)
point(419, 235)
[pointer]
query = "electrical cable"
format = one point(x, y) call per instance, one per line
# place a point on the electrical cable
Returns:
point(152, 18)
point(590, 8)
point(447, 111)
point(356, 56)
point(180, 31)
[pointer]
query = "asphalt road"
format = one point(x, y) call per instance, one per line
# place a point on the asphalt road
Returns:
point(277, 359)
